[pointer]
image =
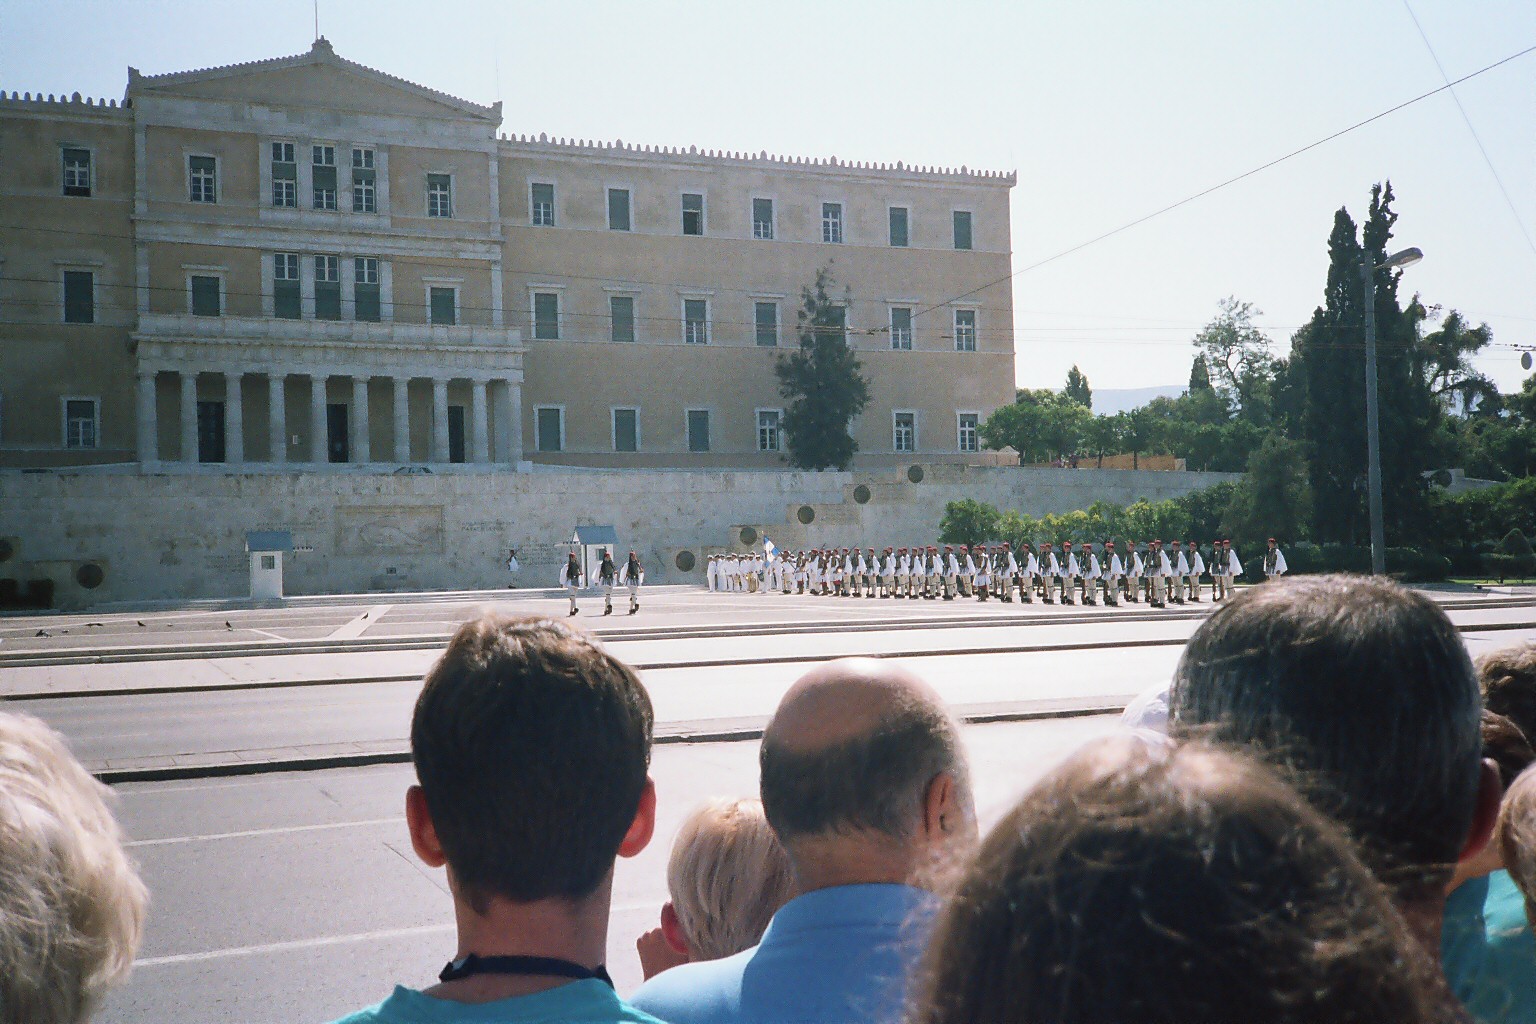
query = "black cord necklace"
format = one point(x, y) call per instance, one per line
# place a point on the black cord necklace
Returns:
point(526, 965)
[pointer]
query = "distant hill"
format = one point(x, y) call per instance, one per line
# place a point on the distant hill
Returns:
point(1108, 401)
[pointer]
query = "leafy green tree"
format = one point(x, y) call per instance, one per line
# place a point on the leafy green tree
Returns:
point(1102, 435)
point(1274, 498)
point(968, 521)
point(1077, 388)
point(1445, 361)
point(1199, 375)
point(822, 383)
point(1039, 425)
point(1236, 353)
point(1135, 433)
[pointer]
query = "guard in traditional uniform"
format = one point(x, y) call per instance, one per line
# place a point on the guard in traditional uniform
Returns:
point(1196, 570)
point(1093, 573)
point(607, 576)
point(1180, 571)
point(1071, 574)
point(570, 579)
point(1230, 563)
point(951, 570)
point(1029, 573)
point(1161, 572)
point(1274, 562)
point(631, 576)
point(1050, 572)
point(1116, 578)
point(1008, 570)
point(1135, 574)
point(981, 573)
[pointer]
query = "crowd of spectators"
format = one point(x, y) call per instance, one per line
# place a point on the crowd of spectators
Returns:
point(1328, 816)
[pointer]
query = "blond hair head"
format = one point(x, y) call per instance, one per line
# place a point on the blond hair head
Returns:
point(1516, 834)
point(71, 903)
point(727, 876)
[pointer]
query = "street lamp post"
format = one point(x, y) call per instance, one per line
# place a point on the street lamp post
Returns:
point(1405, 258)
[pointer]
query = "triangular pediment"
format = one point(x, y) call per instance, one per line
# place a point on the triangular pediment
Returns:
point(318, 78)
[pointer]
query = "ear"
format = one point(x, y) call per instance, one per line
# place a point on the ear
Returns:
point(644, 826)
point(1486, 815)
point(423, 833)
point(672, 930)
point(941, 807)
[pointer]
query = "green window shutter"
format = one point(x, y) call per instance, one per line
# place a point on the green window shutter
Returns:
point(625, 432)
point(622, 309)
point(205, 296)
point(546, 316)
point(962, 229)
point(79, 297)
point(442, 307)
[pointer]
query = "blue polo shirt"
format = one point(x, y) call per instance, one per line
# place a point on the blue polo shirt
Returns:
point(842, 956)
point(1488, 950)
point(580, 1002)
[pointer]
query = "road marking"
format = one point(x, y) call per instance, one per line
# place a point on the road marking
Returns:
point(274, 636)
point(173, 840)
point(279, 947)
point(354, 629)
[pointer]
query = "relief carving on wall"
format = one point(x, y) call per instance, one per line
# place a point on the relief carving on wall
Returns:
point(390, 529)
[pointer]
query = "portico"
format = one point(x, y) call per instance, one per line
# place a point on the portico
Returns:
point(443, 395)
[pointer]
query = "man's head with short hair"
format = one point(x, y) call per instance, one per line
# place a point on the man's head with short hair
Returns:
point(1366, 689)
point(1508, 679)
point(862, 752)
point(532, 746)
point(1516, 836)
point(71, 903)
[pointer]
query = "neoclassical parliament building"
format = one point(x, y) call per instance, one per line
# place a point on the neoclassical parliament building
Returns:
point(305, 263)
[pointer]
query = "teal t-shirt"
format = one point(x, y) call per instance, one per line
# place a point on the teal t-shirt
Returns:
point(580, 1002)
point(1489, 951)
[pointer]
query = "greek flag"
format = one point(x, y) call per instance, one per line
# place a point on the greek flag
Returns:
point(770, 550)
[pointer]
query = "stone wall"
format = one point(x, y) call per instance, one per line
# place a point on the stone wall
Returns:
point(181, 535)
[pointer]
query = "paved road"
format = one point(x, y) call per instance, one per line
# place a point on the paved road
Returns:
point(295, 897)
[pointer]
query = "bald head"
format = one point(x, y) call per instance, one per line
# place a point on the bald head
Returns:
point(854, 748)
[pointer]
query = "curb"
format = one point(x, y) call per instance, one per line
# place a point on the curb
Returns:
point(723, 730)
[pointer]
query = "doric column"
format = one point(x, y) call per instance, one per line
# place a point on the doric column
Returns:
point(234, 420)
point(514, 452)
point(402, 419)
point(188, 416)
point(277, 417)
point(149, 428)
point(317, 435)
point(480, 413)
point(360, 451)
point(439, 419)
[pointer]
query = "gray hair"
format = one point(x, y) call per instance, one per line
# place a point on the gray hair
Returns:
point(71, 904)
point(872, 782)
point(1366, 690)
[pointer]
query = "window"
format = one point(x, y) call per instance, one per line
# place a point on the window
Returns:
point(365, 288)
point(82, 422)
point(77, 172)
point(696, 321)
point(365, 195)
point(621, 310)
point(269, 562)
point(285, 175)
point(904, 431)
point(838, 315)
point(202, 179)
point(324, 180)
point(205, 296)
point(965, 330)
point(618, 209)
point(768, 429)
point(439, 195)
point(549, 428)
point(327, 288)
point(901, 328)
point(967, 425)
point(698, 430)
point(831, 222)
point(962, 229)
point(543, 205)
point(285, 285)
point(899, 236)
point(626, 430)
point(693, 213)
point(443, 305)
point(762, 218)
point(79, 297)
point(766, 317)
point(546, 316)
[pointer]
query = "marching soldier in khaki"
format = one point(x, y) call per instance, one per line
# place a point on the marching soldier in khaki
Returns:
point(1050, 572)
point(1092, 574)
point(1116, 569)
point(1029, 574)
point(1196, 570)
point(1071, 574)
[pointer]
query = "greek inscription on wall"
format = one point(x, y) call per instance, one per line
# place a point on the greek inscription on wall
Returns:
point(390, 529)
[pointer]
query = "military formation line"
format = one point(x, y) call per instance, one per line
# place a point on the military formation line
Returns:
point(1087, 573)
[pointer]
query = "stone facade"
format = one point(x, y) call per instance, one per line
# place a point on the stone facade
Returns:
point(370, 532)
point(306, 263)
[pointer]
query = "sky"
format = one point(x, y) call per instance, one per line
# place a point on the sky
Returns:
point(1107, 110)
